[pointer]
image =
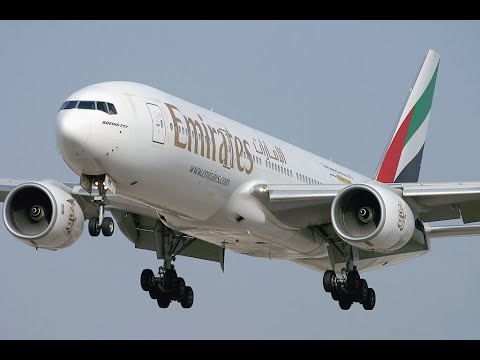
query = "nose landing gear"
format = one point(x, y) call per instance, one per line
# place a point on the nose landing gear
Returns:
point(102, 224)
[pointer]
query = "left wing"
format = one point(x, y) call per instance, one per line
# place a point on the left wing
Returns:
point(306, 205)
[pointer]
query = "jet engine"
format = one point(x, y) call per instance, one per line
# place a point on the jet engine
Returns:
point(43, 215)
point(372, 217)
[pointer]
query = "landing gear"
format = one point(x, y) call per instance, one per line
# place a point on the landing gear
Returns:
point(348, 288)
point(167, 286)
point(102, 224)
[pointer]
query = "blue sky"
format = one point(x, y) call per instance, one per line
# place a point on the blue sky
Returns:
point(334, 88)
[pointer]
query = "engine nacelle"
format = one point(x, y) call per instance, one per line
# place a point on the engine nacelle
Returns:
point(372, 217)
point(42, 214)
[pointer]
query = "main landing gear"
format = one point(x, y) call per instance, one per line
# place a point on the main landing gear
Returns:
point(101, 223)
point(348, 288)
point(167, 286)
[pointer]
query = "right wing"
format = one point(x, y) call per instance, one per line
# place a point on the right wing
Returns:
point(135, 219)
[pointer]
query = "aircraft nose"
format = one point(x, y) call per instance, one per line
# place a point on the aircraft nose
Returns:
point(73, 132)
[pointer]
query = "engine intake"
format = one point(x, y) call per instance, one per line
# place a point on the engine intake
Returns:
point(372, 217)
point(43, 215)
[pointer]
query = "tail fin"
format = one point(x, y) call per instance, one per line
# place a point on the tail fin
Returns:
point(403, 157)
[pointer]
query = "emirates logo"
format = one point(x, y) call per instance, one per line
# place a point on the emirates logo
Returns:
point(401, 217)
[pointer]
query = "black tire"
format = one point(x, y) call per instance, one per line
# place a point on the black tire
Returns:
point(353, 281)
point(154, 293)
point(328, 278)
point(93, 228)
point(108, 226)
point(345, 304)
point(181, 288)
point(336, 294)
point(369, 304)
point(363, 291)
point(163, 300)
point(146, 279)
point(170, 280)
point(187, 300)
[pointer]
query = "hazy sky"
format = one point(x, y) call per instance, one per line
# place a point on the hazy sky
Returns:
point(334, 88)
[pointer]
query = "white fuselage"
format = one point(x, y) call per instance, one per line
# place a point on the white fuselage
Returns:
point(187, 163)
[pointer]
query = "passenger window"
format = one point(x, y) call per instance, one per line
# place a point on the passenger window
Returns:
point(88, 105)
point(102, 106)
point(111, 109)
point(71, 105)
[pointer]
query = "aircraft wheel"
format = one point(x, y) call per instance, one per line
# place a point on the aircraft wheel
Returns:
point(146, 279)
point(108, 226)
point(363, 291)
point(187, 300)
point(345, 304)
point(93, 227)
point(163, 300)
point(181, 288)
point(353, 281)
point(369, 304)
point(328, 278)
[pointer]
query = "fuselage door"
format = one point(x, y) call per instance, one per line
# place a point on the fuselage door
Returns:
point(159, 126)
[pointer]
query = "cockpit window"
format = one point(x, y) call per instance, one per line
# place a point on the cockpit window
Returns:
point(108, 108)
point(90, 105)
point(102, 107)
point(111, 109)
point(71, 105)
point(63, 105)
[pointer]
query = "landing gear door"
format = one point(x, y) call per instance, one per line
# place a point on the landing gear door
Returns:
point(159, 126)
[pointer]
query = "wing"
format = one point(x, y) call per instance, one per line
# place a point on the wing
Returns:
point(307, 205)
point(301, 206)
point(136, 220)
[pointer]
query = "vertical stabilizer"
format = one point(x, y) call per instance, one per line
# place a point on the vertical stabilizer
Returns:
point(403, 157)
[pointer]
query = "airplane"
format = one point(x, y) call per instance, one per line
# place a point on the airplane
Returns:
point(181, 180)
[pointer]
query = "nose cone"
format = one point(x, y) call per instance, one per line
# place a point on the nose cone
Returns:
point(73, 132)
